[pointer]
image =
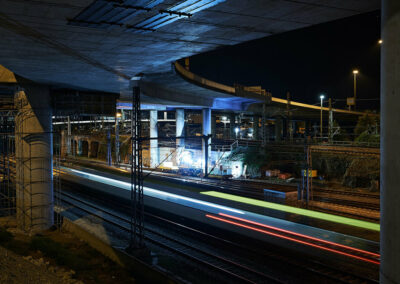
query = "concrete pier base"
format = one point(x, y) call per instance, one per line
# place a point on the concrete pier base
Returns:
point(390, 141)
point(213, 126)
point(180, 124)
point(34, 159)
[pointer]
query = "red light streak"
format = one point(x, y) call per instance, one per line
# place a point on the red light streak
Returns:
point(291, 239)
point(301, 235)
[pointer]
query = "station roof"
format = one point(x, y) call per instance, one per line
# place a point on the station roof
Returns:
point(100, 45)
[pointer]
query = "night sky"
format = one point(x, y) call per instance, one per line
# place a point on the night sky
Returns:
point(305, 62)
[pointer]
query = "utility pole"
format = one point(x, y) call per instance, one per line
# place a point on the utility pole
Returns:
point(69, 137)
point(206, 138)
point(322, 101)
point(289, 129)
point(263, 128)
point(117, 160)
point(137, 205)
point(355, 72)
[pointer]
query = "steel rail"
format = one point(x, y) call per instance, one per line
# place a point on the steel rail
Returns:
point(177, 246)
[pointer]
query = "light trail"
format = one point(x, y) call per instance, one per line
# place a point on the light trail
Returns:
point(295, 210)
point(301, 235)
point(216, 209)
point(292, 239)
point(153, 192)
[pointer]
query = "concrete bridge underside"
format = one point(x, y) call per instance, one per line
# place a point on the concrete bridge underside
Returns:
point(100, 45)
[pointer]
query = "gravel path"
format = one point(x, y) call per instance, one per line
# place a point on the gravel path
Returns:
point(18, 269)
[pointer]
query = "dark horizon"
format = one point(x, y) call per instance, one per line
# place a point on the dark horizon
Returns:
point(305, 62)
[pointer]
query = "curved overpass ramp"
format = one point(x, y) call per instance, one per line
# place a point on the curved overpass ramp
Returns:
point(183, 88)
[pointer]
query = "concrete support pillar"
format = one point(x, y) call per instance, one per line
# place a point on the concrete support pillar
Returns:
point(390, 141)
point(34, 159)
point(123, 118)
point(180, 125)
point(79, 147)
point(278, 129)
point(232, 125)
point(206, 149)
point(213, 125)
point(154, 151)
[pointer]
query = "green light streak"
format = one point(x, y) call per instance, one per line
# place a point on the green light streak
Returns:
point(298, 211)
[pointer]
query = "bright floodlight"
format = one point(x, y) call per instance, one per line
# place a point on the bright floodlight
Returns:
point(237, 130)
point(119, 114)
point(187, 157)
point(322, 97)
point(355, 71)
point(380, 41)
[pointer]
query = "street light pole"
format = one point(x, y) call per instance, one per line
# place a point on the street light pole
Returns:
point(322, 99)
point(355, 72)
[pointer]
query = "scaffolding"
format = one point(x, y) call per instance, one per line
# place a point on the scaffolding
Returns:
point(7, 166)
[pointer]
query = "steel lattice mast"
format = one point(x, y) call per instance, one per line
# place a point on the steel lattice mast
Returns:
point(137, 206)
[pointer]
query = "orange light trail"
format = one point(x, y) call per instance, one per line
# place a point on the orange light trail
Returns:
point(292, 239)
point(301, 235)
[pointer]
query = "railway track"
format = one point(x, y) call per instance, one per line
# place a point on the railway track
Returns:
point(242, 188)
point(230, 268)
point(258, 193)
point(254, 190)
point(247, 187)
point(234, 269)
point(346, 202)
point(349, 193)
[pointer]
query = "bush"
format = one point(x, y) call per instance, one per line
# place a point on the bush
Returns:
point(254, 158)
point(330, 166)
point(367, 137)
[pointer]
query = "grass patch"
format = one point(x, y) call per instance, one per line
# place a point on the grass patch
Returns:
point(65, 251)
point(57, 251)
